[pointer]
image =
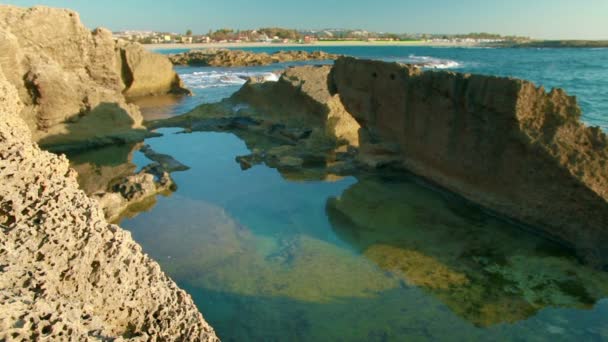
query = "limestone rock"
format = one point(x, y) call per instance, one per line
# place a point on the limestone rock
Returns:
point(63, 72)
point(65, 273)
point(239, 58)
point(301, 98)
point(147, 73)
point(500, 142)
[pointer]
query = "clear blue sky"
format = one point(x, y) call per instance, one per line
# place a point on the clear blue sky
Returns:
point(552, 19)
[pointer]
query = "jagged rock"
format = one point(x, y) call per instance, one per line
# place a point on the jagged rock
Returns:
point(239, 58)
point(500, 142)
point(66, 274)
point(63, 72)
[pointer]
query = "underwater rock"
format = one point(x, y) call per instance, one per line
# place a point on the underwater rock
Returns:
point(166, 162)
point(239, 58)
point(128, 190)
point(480, 267)
point(64, 73)
point(500, 142)
point(66, 273)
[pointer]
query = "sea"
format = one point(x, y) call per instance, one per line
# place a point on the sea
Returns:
point(268, 257)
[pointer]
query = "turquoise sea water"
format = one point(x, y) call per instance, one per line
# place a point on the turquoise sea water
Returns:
point(268, 257)
point(581, 72)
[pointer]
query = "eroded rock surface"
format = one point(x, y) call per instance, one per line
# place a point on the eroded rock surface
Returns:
point(65, 73)
point(65, 273)
point(499, 142)
point(239, 58)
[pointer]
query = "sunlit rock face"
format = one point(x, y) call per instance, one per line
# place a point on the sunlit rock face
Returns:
point(67, 274)
point(482, 268)
point(499, 142)
point(238, 58)
point(65, 73)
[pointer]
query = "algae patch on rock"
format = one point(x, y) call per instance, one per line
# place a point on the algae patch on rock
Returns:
point(483, 269)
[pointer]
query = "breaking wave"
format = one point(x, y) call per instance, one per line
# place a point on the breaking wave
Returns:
point(428, 62)
point(219, 79)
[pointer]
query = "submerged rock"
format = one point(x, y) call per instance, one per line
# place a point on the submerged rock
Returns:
point(479, 266)
point(239, 58)
point(65, 273)
point(500, 142)
point(65, 73)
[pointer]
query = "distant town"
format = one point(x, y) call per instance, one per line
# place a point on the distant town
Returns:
point(290, 36)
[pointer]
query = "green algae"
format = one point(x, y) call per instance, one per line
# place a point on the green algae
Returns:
point(386, 259)
point(483, 269)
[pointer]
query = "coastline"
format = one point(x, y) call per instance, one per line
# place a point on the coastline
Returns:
point(173, 46)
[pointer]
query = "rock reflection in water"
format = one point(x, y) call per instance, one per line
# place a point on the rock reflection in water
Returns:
point(98, 168)
point(485, 270)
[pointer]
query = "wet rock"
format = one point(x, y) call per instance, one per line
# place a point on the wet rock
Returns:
point(239, 58)
point(166, 163)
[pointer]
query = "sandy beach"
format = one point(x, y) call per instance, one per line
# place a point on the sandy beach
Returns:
point(291, 45)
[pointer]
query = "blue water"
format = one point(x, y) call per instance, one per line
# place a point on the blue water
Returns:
point(581, 72)
point(355, 259)
point(268, 257)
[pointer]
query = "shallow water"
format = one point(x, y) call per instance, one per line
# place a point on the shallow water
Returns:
point(355, 259)
point(360, 259)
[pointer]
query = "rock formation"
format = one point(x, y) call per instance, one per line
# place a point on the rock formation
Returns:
point(65, 273)
point(239, 58)
point(499, 142)
point(65, 73)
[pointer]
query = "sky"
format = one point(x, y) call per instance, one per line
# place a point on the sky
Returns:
point(542, 19)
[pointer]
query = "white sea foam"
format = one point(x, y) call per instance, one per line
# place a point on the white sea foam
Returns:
point(218, 79)
point(433, 63)
point(427, 62)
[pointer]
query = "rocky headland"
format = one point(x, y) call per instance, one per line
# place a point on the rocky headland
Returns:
point(74, 83)
point(239, 58)
point(504, 144)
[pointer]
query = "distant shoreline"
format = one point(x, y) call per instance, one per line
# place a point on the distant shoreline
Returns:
point(291, 45)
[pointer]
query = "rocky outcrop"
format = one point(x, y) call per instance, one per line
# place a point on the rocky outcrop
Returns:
point(298, 105)
point(65, 273)
point(126, 195)
point(499, 142)
point(65, 73)
point(145, 73)
point(294, 124)
point(239, 58)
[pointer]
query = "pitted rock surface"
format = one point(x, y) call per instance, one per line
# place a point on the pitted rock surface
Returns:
point(65, 273)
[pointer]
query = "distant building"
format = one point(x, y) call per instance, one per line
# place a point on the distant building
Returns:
point(167, 38)
point(205, 39)
point(187, 40)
